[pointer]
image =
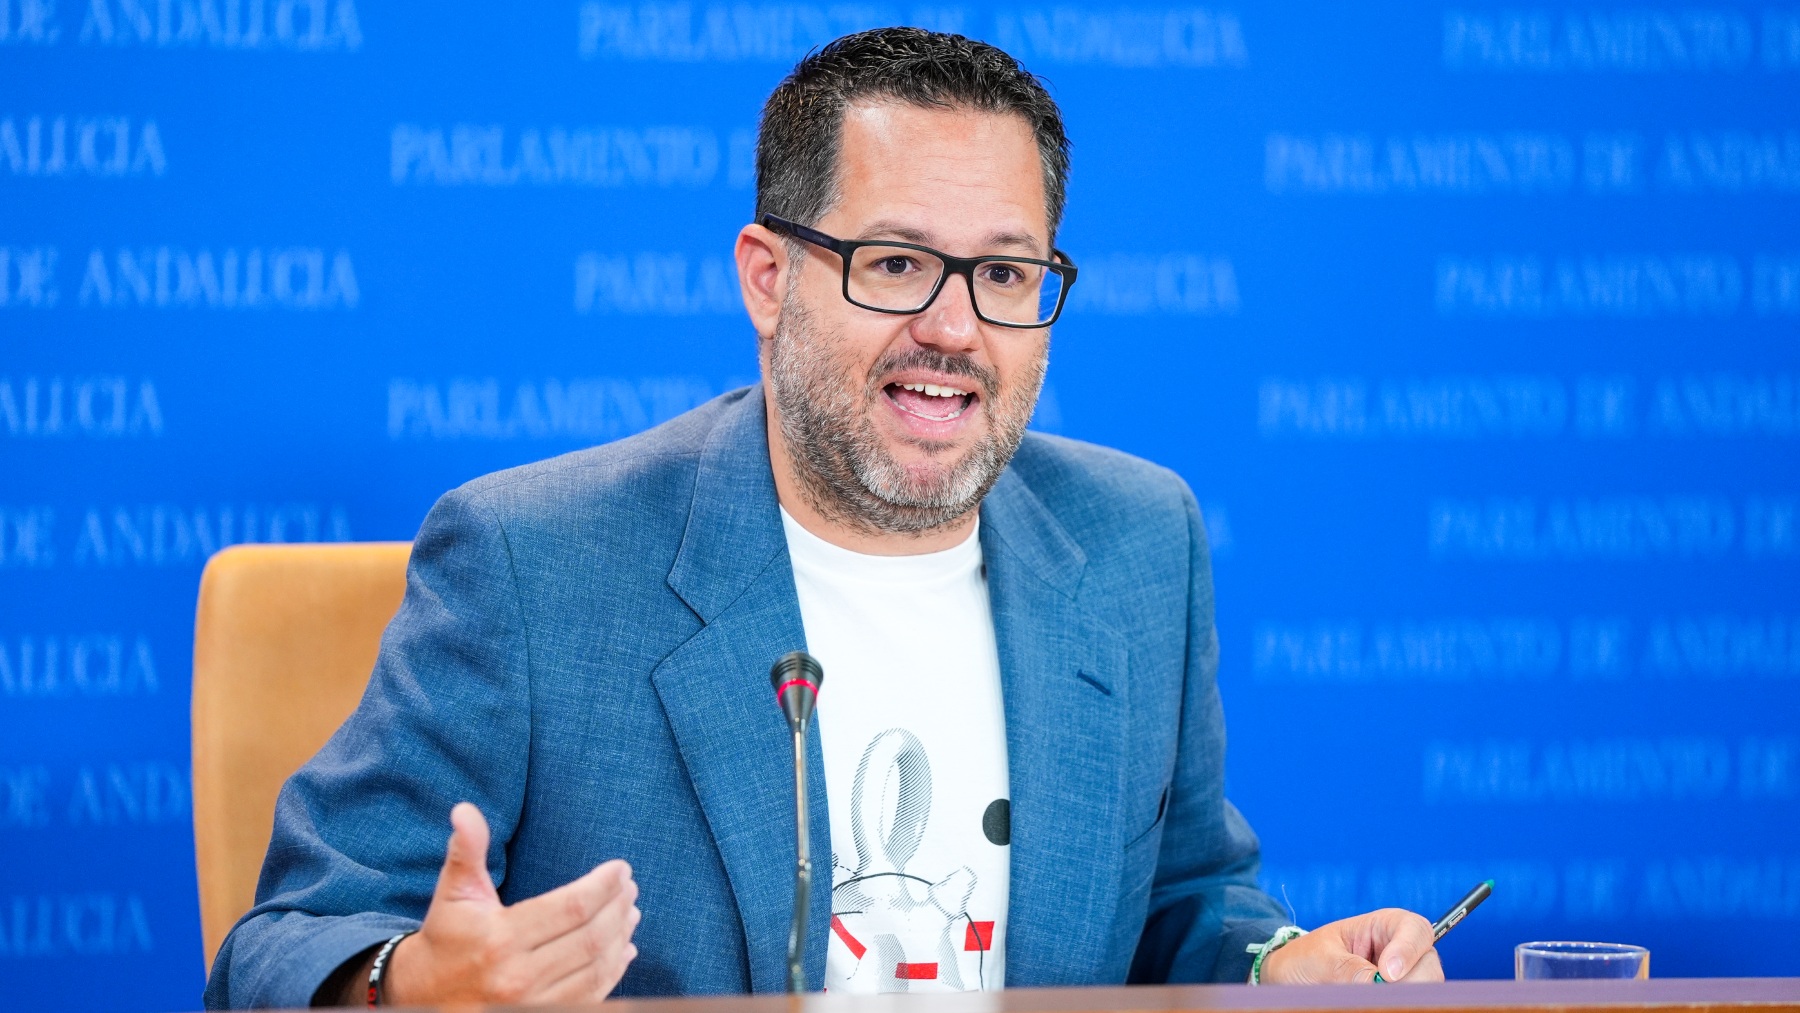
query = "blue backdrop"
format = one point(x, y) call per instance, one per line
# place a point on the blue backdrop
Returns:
point(1474, 329)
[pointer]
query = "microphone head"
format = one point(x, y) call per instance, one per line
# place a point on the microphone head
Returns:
point(796, 677)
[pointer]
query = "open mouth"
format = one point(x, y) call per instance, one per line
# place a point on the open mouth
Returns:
point(930, 401)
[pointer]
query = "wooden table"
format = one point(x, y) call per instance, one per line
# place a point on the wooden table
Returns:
point(1675, 995)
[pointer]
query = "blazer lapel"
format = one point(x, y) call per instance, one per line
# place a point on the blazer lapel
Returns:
point(733, 571)
point(1063, 676)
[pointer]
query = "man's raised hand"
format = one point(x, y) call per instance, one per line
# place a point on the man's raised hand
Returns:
point(566, 946)
point(1398, 942)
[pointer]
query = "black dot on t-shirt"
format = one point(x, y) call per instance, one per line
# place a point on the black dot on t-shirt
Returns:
point(996, 823)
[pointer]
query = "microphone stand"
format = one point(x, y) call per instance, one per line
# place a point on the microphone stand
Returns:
point(796, 677)
point(802, 869)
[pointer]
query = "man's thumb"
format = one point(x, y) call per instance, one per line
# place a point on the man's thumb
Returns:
point(465, 873)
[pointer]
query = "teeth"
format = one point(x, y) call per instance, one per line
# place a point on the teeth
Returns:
point(933, 390)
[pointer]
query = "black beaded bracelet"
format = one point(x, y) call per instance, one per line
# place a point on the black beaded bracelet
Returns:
point(377, 980)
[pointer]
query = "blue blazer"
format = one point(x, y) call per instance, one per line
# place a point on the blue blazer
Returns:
point(583, 652)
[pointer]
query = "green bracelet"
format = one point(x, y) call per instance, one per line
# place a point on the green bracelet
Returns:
point(1283, 936)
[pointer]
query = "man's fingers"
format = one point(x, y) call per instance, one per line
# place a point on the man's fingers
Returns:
point(1327, 956)
point(587, 942)
point(592, 958)
point(594, 981)
point(1400, 939)
point(1349, 967)
point(1427, 970)
point(465, 874)
point(552, 915)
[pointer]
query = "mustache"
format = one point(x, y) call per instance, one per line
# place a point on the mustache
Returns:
point(925, 358)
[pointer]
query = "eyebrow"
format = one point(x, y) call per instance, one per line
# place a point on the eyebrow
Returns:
point(908, 234)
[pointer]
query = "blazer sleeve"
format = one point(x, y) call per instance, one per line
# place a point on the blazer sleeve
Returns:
point(360, 830)
point(1205, 906)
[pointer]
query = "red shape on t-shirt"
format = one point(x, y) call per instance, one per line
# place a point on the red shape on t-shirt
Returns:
point(916, 972)
point(856, 949)
point(980, 936)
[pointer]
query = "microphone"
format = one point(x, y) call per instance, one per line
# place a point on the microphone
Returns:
point(796, 677)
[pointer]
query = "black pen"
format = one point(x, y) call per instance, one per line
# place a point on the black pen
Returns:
point(1455, 914)
point(1463, 907)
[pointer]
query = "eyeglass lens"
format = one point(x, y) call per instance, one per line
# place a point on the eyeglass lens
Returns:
point(901, 279)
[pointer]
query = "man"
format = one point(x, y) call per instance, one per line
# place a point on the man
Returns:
point(1020, 744)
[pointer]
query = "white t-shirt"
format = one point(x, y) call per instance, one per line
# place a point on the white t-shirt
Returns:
point(914, 739)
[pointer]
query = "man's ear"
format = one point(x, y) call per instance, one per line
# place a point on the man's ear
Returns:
point(762, 266)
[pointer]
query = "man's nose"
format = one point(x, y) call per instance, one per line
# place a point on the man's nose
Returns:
point(949, 324)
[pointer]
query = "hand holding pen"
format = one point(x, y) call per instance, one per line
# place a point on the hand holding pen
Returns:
point(1456, 914)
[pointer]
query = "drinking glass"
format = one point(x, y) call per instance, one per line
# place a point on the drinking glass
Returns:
point(1580, 960)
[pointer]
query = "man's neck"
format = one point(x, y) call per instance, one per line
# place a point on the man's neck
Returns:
point(857, 538)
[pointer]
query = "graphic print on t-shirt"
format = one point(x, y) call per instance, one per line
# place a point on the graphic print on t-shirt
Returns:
point(903, 927)
point(912, 729)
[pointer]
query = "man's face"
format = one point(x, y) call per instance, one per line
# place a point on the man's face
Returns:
point(902, 423)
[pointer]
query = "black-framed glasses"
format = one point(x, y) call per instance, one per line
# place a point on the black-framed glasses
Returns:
point(892, 277)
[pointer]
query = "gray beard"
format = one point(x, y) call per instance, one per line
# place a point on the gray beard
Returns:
point(842, 467)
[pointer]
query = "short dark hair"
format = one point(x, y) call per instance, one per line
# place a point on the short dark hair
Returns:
point(801, 133)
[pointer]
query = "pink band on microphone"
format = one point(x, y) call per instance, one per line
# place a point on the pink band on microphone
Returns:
point(783, 688)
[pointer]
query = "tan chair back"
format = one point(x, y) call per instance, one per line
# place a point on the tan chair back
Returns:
point(284, 641)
